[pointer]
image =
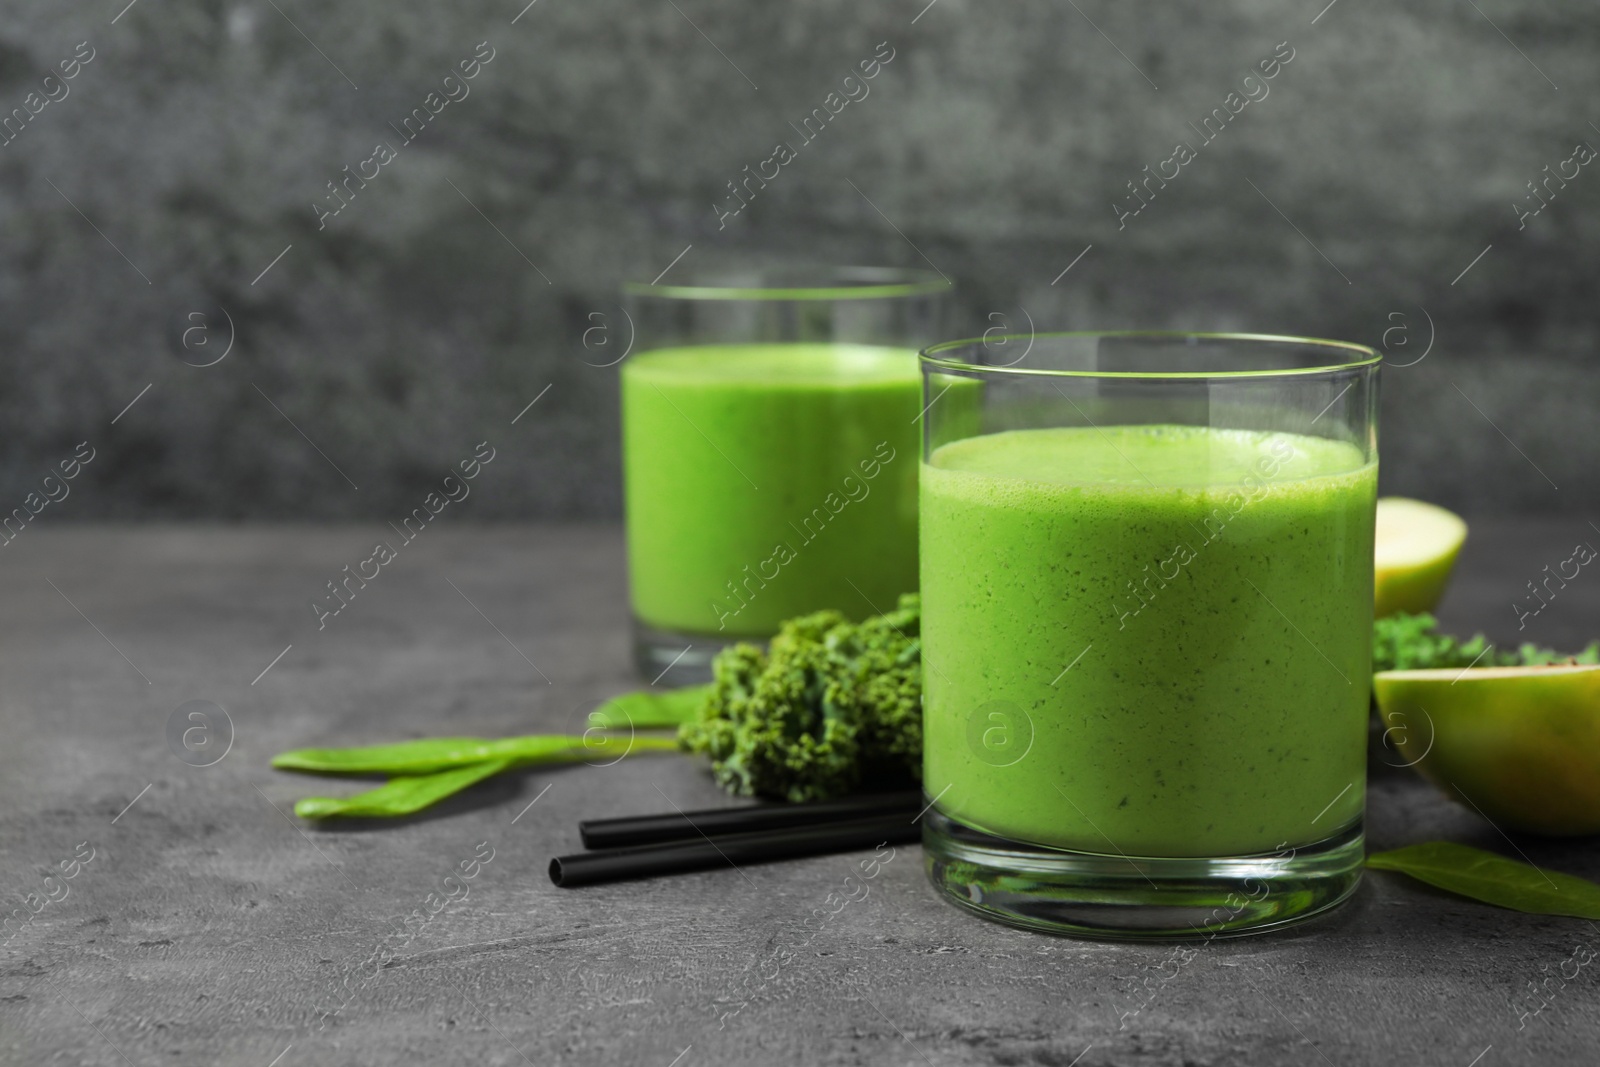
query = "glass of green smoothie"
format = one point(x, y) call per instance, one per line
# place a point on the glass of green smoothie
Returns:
point(770, 444)
point(1146, 565)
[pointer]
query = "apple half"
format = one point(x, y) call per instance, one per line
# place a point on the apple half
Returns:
point(1519, 745)
point(1414, 551)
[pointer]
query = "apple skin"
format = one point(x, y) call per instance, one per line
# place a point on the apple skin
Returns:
point(1519, 745)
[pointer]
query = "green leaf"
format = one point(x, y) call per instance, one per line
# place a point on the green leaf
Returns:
point(402, 795)
point(650, 709)
point(431, 755)
point(410, 792)
point(1403, 642)
point(1493, 879)
point(410, 757)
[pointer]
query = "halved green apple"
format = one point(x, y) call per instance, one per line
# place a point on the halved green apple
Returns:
point(1415, 548)
point(1519, 745)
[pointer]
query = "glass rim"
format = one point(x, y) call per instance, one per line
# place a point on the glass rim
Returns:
point(932, 356)
point(878, 283)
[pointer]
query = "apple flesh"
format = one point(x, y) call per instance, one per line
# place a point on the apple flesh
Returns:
point(1414, 551)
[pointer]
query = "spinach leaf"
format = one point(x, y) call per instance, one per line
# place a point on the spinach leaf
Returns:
point(433, 754)
point(402, 795)
point(1493, 879)
point(425, 772)
point(650, 709)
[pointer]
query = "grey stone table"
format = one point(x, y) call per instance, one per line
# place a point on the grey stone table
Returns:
point(211, 927)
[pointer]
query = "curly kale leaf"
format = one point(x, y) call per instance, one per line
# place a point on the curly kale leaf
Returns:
point(1405, 642)
point(830, 703)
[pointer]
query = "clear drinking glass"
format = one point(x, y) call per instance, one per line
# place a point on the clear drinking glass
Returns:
point(770, 451)
point(1147, 623)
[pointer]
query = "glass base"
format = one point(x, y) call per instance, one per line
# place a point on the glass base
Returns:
point(670, 659)
point(1139, 898)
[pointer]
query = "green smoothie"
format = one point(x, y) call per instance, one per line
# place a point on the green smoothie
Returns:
point(767, 481)
point(1148, 640)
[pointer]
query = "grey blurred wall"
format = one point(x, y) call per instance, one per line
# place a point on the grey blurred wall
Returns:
point(141, 206)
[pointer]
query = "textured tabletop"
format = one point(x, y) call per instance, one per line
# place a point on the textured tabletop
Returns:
point(209, 926)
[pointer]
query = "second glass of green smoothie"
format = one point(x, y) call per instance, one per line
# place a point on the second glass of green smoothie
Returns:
point(1147, 627)
point(770, 443)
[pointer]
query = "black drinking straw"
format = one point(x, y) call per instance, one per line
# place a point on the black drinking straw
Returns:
point(704, 853)
point(696, 825)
